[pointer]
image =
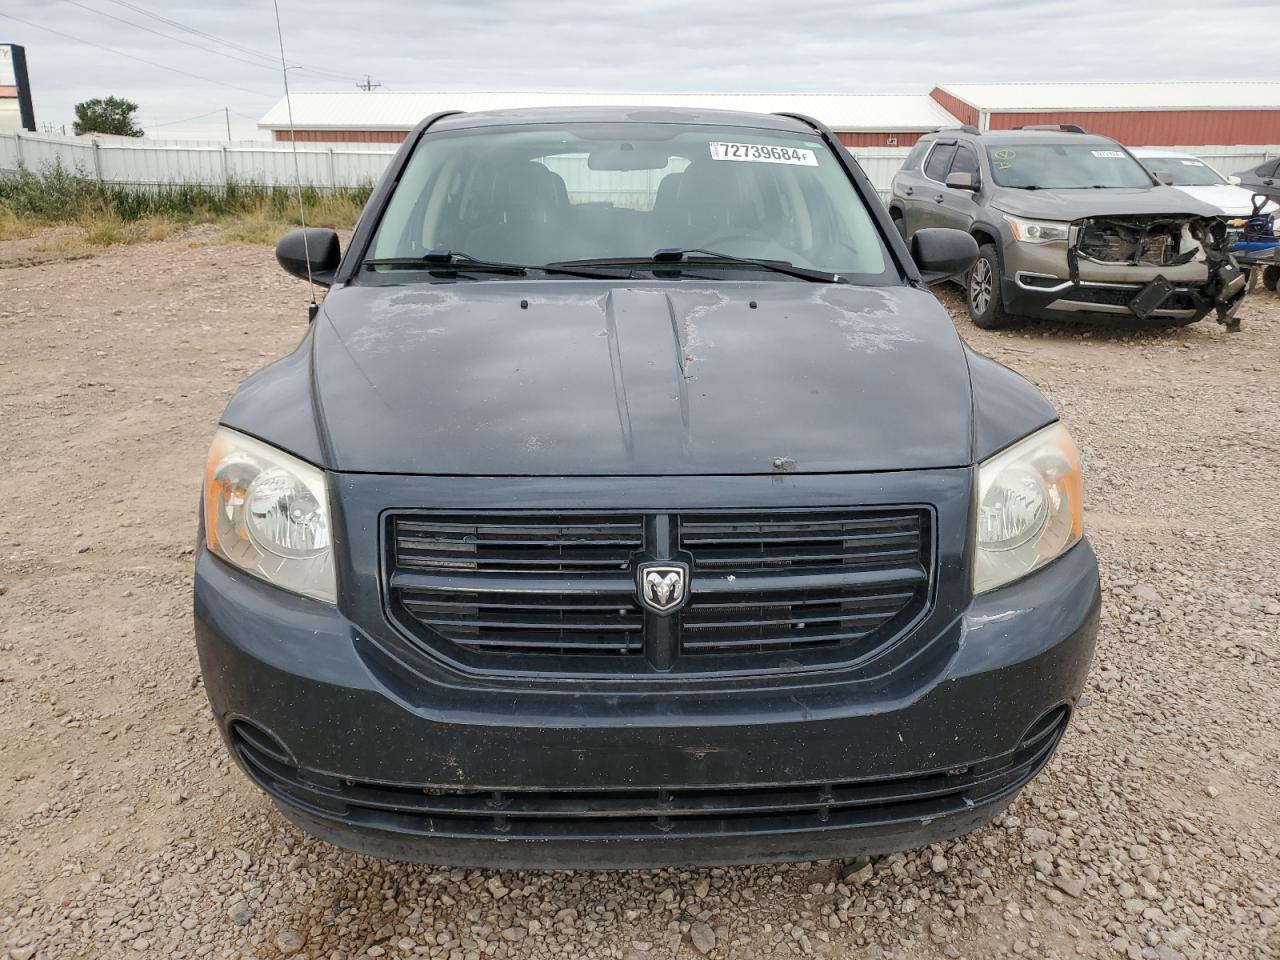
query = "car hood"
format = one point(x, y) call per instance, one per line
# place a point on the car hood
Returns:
point(1078, 204)
point(1232, 201)
point(586, 378)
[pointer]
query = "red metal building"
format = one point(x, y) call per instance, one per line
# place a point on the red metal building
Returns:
point(1138, 114)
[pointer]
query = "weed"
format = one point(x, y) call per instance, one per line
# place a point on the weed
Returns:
point(112, 213)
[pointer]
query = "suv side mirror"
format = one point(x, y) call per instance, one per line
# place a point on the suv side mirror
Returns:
point(941, 252)
point(961, 181)
point(321, 245)
point(1234, 180)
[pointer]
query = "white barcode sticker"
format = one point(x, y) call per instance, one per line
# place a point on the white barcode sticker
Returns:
point(763, 153)
point(1109, 154)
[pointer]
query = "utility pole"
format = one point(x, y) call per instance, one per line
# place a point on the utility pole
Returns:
point(227, 112)
point(368, 84)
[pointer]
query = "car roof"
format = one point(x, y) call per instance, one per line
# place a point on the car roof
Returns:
point(620, 114)
point(1020, 136)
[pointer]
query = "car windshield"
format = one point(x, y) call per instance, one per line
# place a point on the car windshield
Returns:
point(1184, 171)
point(580, 192)
point(1055, 166)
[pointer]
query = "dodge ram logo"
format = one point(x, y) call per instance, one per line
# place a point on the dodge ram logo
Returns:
point(663, 586)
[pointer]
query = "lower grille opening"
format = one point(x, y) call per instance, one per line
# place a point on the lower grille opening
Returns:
point(249, 736)
point(1120, 297)
point(621, 814)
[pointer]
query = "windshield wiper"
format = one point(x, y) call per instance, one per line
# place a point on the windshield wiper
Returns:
point(465, 263)
point(445, 261)
point(695, 255)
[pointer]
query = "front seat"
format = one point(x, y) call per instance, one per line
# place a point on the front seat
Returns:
point(715, 200)
point(523, 219)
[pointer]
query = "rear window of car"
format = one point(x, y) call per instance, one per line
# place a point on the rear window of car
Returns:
point(1184, 171)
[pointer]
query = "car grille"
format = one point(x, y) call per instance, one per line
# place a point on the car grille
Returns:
point(656, 813)
point(824, 602)
point(522, 584)
point(556, 593)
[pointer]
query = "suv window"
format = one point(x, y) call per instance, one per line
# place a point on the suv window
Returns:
point(939, 161)
point(544, 193)
point(913, 158)
point(1268, 169)
point(966, 161)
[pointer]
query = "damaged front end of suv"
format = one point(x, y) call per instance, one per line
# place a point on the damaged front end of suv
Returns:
point(1188, 258)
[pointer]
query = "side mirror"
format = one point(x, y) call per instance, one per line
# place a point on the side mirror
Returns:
point(314, 244)
point(1234, 180)
point(961, 181)
point(940, 252)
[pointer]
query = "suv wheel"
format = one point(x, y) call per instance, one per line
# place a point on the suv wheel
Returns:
point(982, 290)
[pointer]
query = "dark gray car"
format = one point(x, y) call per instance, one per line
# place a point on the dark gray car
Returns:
point(1263, 179)
point(1068, 225)
point(589, 547)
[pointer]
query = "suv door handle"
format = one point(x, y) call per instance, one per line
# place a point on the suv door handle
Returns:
point(938, 198)
point(908, 190)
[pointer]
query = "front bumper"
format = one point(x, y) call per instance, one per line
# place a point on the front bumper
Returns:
point(361, 752)
point(1038, 281)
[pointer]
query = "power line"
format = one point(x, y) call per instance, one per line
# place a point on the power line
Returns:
point(170, 123)
point(130, 56)
point(228, 43)
point(189, 43)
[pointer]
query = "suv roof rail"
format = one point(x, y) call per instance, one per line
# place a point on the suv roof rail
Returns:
point(970, 128)
point(1060, 127)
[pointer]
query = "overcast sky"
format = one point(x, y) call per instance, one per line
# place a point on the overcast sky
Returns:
point(747, 46)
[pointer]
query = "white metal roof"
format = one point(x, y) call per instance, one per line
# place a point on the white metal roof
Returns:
point(397, 110)
point(1102, 97)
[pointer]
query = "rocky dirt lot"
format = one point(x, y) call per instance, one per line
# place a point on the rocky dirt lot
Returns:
point(126, 832)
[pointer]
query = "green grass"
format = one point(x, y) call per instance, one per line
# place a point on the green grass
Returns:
point(109, 214)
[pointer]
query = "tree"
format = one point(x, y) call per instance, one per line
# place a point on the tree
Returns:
point(112, 115)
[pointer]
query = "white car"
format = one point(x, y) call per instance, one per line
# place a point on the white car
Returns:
point(1193, 176)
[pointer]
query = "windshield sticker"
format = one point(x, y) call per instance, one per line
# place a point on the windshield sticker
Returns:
point(1109, 154)
point(1192, 163)
point(763, 153)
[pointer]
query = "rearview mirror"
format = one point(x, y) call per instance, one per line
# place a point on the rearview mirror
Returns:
point(961, 181)
point(314, 245)
point(940, 252)
point(1234, 180)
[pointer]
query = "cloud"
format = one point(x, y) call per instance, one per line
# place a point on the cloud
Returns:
point(644, 45)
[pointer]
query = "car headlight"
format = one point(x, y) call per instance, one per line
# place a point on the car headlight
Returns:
point(267, 513)
point(1029, 507)
point(1037, 231)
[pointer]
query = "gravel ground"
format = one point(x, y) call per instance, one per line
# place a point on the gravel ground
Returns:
point(125, 831)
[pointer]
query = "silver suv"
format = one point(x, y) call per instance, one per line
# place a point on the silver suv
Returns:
point(1069, 225)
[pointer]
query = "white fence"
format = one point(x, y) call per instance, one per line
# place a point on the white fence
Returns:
point(146, 163)
point(139, 162)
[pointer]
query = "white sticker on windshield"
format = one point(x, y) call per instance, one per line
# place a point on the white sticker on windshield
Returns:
point(763, 153)
point(1109, 154)
point(1192, 163)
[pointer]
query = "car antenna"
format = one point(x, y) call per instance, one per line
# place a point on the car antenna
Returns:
point(312, 308)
